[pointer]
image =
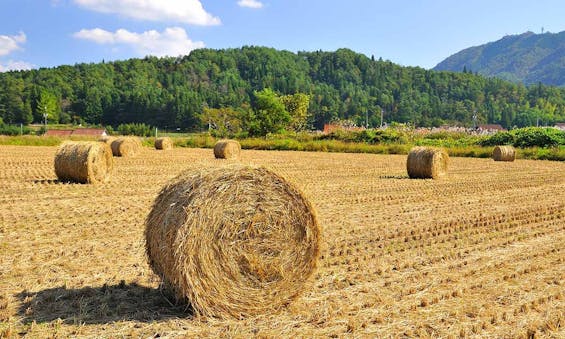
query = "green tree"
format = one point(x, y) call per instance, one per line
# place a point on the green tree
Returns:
point(270, 112)
point(297, 106)
point(222, 122)
point(47, 105)
point(12, 105)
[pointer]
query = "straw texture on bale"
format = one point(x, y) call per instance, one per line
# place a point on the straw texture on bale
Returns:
point(504, 153)
point(227, 149)
point(427, 162)
point(164, 143)
point(84, 162)
point(126, 146)
point(235, 241)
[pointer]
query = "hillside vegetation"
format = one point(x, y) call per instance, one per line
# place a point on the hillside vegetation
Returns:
point(175, 92)
point(527, 58)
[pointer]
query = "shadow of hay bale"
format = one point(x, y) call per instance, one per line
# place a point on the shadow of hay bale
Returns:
point(394, 177)
point(99, 305)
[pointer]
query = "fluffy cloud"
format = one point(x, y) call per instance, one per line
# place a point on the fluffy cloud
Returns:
point(250, 3)
point(9, 44)
point(15, 66)
point(182, 11)
point(172, 42)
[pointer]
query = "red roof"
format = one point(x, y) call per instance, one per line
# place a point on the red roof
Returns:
point(89, 131)
point(98, 132)
point(58, 133)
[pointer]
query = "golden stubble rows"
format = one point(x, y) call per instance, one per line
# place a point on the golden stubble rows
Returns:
point(477, 253)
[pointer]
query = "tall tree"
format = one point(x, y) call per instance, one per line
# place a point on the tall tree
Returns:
point(270, 112)
point(47, 106)
point(297, 106)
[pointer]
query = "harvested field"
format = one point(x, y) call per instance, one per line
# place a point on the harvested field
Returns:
point(476, 253)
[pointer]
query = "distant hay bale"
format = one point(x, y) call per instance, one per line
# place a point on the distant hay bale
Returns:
point(227, 149)
point(427, 162)
point(164, 143)
point(504, 153)
point(126, 146)
point(235, 241)
point(84, 162)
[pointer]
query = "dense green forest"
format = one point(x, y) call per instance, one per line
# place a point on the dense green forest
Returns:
point(528, 58)
point(184, 92)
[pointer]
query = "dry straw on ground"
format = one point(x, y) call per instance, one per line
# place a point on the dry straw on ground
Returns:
point(84, 162)
point(235, 241)
point(227, 149)
point(427, 162)
point(163, 143)
point(126, 146)
point(504, 153)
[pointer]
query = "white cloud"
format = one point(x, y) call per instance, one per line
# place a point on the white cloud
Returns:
point(172, 42)
point(250, 3)
point(9, 44)
point(182, 11)
point(15, 66)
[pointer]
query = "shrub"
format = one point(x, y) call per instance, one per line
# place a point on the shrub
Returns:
point(138, 129)
point(527, 137)
point(13, 130)
point(538, 137)
point(500, 138)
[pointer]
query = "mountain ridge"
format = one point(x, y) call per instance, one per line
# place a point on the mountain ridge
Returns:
point(526, 58)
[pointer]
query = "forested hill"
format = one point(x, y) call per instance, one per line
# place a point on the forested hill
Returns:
point(528, 58)
point(343, 84)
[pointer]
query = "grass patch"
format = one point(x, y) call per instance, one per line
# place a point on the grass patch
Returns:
point(456, 147)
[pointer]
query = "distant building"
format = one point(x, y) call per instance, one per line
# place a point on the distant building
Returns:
point(560, 126)
point(94, 132)
point(58, 133)
point(81, 132)
point(490, 128)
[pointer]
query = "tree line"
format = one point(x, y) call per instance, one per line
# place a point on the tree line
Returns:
point(259, 90)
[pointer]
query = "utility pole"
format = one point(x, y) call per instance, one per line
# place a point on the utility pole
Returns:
point(366, 119)
point(382, 116)
point(475, 117)
point(45, 115)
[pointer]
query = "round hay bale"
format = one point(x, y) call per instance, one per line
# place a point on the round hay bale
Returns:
point(126, 146)
point(227, 149)
point(84, 162)
point(164, 143)
point(235, 241)
point(504, 153)
point(427, 162)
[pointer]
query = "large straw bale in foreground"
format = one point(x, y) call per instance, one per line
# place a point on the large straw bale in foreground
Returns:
point(126, 146)
point(163, 143)
point(427, 162)
point(84, 162)
point(227, 149)
point(234, 241)
point(504, 153)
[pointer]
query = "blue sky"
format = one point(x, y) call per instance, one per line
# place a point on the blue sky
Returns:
point(47, 33)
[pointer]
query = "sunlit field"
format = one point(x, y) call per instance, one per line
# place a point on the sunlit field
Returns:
point(479, 252)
